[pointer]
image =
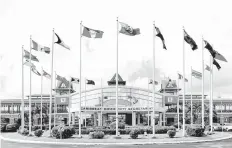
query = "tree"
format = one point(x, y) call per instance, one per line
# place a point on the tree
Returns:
point(36, 110)
point(197, 108)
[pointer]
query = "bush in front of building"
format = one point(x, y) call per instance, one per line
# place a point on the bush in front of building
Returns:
point(134, 133)
point(171, 133)
point(96, 135)
point(121, 125)
point(67, 132)
point(195, 131)
point(3, 127)
point(35, 127)
point(12, 127)
point(38, 133)
point(23, 132)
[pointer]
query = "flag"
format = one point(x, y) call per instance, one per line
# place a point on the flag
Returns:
point(61, 42)
point(159, 34)
point(35, 71)
point(181, 77)
point(90, 82)
point(27, 63)
point(75, 80)
point(128, 30)
point(27, 56)
point(214, 53)
point(207, 68)
point(190, 41)
point(151, 82)
point(91, 33)
point(45, 74)
point(41, 48)
point(62, 81)
point(196, 74)
point(216, 64)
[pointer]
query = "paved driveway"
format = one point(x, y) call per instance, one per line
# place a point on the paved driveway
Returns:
point(217, 144)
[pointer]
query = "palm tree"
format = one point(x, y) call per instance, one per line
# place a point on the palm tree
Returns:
point(197, 108)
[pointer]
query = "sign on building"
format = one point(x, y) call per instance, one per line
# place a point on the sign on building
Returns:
point(171, 99)
point(63, 100)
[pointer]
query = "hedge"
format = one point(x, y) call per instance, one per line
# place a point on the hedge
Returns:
point(141, 130)
point(195, 131)
point(66, 133)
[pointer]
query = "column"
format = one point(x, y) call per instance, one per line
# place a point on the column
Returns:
point(94, 119)
point(99, 119)
point(138, 118)
point(133, 118)
point(160, 119)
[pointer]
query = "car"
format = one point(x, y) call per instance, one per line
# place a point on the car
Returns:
point(227, 126)
point(217, 126)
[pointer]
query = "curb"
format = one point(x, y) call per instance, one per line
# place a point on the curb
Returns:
point(135, 143)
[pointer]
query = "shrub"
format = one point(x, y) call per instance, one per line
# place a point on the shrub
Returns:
point(176, 125)
point(120, 125)
point(38, 133)
point(97, 135)
point(171, 133)
point(66, 133)
point(3, 127)
point(25, 131)
point(134, 134)
point(12, 127)
point(195, 131)
point(35, 127)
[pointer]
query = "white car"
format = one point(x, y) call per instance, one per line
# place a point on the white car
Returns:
point(227, 126)
point(217, 127)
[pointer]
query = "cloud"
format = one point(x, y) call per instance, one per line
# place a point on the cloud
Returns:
point(141, 69)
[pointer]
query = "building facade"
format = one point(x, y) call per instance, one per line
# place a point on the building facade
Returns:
point(135, 105)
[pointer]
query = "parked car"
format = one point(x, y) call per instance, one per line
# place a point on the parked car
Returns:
point(217, 126)
point(227, 126)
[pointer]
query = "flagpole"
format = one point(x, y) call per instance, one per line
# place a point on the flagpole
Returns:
point(69, 105)
point(101, 101)
point(50, 104)
point(41, 100)
point(117, 84)
point(148, 102)
point(211, 88)
point(80, 85)
point(183, 101)
point(22, 106)
point(191, 97)
point(85, 102)
point(55, 105)
point(178, 113)
point(154, 99)
point(30, 93)
point(202, 97)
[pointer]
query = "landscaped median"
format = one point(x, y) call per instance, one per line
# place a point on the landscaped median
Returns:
point(109, 139)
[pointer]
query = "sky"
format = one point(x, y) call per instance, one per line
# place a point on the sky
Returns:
point(209, 19)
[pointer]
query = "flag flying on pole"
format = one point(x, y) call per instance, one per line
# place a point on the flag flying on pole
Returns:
point(159, 34)
point(62, 80)
point(216, 64)
point(128, 30)
point(74, 80)
point(91, 33)
point(27, 56)
point(207, 68)
point(27, 63)
point(196, 74)
point(35, 71)
point(45, 74)
point(61, 42)
point(151, 82)
point(190, 41)
point(90, 82)
point(214, 53)
point(181, 77)
point(41, 48)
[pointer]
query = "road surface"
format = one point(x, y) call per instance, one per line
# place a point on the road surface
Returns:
point(216, 144)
